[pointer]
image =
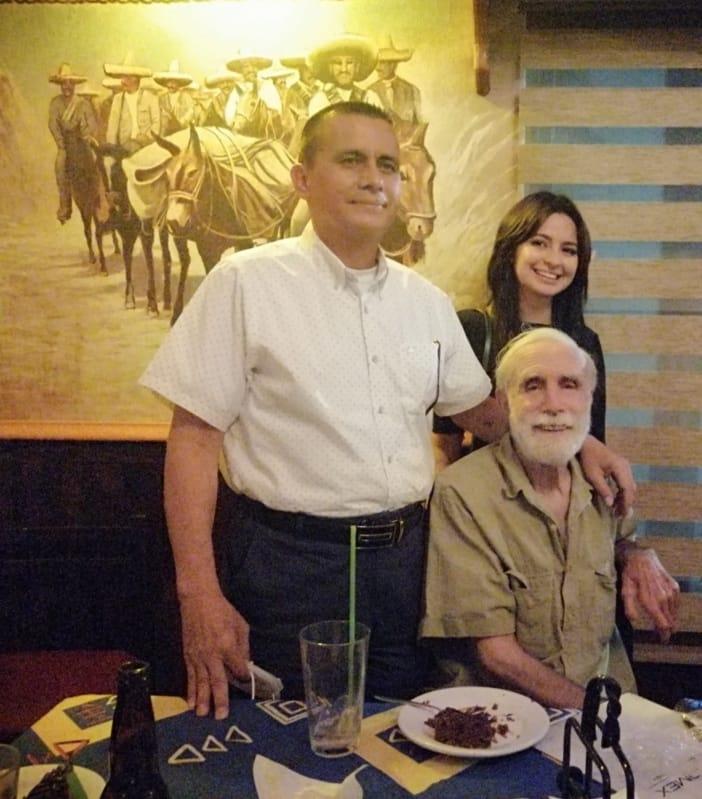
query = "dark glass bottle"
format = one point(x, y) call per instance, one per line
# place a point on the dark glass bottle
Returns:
point(134, 770)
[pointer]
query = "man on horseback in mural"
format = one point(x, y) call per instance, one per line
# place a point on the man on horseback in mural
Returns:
point(252, 92)
point(70, 117)
point(297, 99)
point(224, 83)
point(340, 64)
point(177, 105)
point(135, 117)
point(400, 98)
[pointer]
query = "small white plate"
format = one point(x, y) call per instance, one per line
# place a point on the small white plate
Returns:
point(528, 722)
point(30, 776)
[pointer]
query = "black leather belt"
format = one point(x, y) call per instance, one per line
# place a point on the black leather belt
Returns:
point(377, 531)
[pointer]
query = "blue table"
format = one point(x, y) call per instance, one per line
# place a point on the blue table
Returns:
point(219, 755)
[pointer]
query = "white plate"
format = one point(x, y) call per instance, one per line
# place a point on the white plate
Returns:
point(528, 722)
point(30, 776)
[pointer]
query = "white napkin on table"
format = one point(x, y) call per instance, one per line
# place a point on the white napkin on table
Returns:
point(274, 780)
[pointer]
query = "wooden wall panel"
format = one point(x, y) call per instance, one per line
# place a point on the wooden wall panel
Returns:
point(586, 107)
point(650, 221)
point(671, 279)
point(672, 165)
point(660, 446)
point(669, 391)
point(631, 49)
point(669, 502)
point(649, 335)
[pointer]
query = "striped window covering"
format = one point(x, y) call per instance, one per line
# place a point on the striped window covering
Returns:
point(614, 120)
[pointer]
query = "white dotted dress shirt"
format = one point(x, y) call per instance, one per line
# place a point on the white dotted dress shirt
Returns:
point(320, 382)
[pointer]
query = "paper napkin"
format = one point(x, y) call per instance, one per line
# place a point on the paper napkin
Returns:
point(273, 780)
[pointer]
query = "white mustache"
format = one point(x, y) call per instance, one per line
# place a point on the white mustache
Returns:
point(547, 420)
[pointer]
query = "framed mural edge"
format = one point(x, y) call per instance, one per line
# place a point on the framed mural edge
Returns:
point(13, 430)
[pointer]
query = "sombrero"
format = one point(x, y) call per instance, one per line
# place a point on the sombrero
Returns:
point(65, 74)
point(88, 91)
point(173, 75)
point(276, 70)
point(112, 83)
point(295, 62)
point(221, 79)
point(259, 62)
point(126, 68)
point(388, 52)
point(359, 47)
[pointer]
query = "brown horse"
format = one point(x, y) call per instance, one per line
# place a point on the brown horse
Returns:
point(415, 219)
point(220, 190)
point(88, 181)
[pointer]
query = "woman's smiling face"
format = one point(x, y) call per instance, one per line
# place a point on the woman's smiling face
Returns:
point(545, 264)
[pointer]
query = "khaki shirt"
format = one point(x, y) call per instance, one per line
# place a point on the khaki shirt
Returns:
point(497, 565)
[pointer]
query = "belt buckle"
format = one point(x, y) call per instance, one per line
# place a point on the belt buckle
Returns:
point(380, 536)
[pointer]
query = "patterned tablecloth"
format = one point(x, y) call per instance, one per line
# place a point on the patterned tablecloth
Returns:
point(206, 759)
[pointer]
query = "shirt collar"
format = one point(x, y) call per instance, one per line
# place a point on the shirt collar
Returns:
point(332, 265)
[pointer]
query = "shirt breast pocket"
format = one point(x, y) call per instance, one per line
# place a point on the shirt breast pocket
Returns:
point(535, 625)
point(421, 375)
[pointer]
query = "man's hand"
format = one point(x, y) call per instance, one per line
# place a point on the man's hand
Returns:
point(601, 465)
point(215, 641)
point(647, 586)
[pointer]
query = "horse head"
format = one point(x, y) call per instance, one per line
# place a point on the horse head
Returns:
point(184, 175)
point(417, 169)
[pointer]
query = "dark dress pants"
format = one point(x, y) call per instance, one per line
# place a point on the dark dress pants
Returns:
point(280, 582)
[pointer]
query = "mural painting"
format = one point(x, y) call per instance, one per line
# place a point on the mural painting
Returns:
point(171, 133)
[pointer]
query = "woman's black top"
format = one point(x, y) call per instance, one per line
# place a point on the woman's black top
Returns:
point(475, 325)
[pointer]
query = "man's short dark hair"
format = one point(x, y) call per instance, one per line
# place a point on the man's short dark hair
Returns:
point(313, 126)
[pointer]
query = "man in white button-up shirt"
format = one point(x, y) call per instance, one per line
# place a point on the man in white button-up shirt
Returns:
point(312, 365)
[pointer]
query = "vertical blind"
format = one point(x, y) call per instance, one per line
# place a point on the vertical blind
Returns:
point(614, 120)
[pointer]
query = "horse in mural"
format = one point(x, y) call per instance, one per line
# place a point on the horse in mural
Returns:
point(88, 181)
point(216, 188)
point(132, 226)
point(415, 218)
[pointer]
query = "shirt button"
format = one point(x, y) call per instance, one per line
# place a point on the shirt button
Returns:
point(389, 458)
point(381, 409)
point(375, 359)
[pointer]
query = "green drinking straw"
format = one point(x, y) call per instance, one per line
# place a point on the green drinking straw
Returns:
point(352, 584)
point(352, 602)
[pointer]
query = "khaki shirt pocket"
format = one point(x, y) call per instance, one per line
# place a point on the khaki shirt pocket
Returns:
point(535, 597)
point(600, 607)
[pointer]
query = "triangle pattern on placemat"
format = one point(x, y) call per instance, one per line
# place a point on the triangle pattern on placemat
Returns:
point(237, 736)
point(213, 745)
point(396, 737)
point(187, 753)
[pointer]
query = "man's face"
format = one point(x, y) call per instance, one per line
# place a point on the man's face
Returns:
point(386, 69)
point(343, 70)
point(68, 88)
point(130, 83)
point(172, 85)
point(549, 404)
point(249, 71)
point(352, 185)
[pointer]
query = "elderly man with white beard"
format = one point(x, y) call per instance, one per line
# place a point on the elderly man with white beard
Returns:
point(521, 572)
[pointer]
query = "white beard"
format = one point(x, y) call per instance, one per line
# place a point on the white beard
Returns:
point(549, 449)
